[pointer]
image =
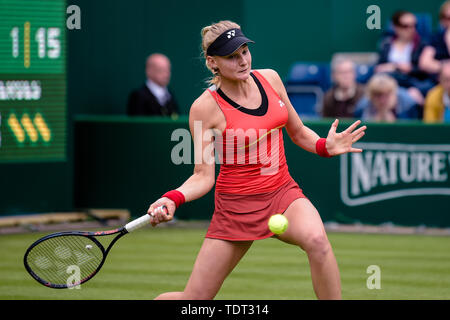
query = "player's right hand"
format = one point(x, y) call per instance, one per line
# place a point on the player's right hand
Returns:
point(161, 210)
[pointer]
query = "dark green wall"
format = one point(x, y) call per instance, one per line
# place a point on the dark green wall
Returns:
point(106, 60)
point(106, 57)
point(36, 187)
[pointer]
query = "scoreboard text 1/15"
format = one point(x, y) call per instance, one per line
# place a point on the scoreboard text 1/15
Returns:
point(47, 39)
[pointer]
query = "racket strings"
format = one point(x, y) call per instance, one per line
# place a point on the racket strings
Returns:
point(65, 260)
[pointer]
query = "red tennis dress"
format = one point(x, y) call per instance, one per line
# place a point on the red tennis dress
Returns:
point(254, 182)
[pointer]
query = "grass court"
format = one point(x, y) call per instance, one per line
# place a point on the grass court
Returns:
point(155, 260)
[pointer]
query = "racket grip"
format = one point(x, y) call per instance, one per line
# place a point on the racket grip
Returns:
point(138, 223)
point(142, 221)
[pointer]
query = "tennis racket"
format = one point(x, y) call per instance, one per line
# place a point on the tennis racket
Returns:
point(67, 259)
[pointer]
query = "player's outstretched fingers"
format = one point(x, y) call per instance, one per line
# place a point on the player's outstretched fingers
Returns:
point(356, 150)
point(358, 136)
point(359, 130)
point(333, 128)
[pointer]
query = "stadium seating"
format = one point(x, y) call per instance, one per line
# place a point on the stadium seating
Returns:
point(364, 72)
point(306, 84)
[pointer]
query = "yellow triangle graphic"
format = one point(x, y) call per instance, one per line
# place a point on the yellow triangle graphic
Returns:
point(29, 128)
point(16, 128)
point(42, 127)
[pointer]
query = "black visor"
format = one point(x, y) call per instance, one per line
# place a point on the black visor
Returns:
point(227, 43)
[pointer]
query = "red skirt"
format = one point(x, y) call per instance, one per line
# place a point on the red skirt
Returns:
point(245, 217)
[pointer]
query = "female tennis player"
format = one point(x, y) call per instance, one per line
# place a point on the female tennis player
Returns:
point(251, 106)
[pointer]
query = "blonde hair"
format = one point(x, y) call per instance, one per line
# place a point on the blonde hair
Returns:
point(209, 34)
point(443, 8)
point(381, 82)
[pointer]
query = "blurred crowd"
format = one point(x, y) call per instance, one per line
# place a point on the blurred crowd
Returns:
point(411, 79)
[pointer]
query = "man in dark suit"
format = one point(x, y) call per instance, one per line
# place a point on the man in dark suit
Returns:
point(154, 98)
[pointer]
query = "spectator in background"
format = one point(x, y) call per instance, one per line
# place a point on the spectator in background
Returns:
point(154, 98)
point(438, 49)
point(399, 56)
point(341, 99)
point(437, 102)
point(385, 101)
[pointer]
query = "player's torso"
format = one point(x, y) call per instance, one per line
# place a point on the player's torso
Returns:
point(250, 149)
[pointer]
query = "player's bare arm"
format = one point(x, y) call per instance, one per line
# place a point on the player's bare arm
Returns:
point(203, 119)
point(304, 137)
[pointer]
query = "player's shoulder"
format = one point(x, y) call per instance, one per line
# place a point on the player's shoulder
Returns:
point(203, 106)
point(268, 73)
point(272, 77)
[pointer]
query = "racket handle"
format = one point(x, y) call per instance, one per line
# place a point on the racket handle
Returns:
point(140, 222)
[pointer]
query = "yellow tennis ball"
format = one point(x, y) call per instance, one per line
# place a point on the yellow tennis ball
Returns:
point(278, 223)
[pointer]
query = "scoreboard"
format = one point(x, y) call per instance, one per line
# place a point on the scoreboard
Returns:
point(33, 123)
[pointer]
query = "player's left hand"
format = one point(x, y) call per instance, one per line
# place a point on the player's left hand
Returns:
point(340, 143)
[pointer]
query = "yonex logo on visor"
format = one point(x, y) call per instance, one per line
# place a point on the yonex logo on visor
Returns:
point(231, 33)
point(227, 43)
